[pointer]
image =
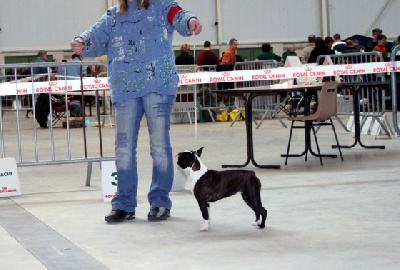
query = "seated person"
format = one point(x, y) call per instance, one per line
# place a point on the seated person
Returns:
point(42, 107)
point(73, 105)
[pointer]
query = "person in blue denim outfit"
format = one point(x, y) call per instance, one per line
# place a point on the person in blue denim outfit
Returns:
point(136, 36)
point(74, 72)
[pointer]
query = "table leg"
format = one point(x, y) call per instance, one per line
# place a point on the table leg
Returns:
point(249, 137)
point(357, 124)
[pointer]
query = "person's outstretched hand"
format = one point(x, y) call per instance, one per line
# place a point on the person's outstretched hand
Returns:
point(77, 45)
point(195, 26)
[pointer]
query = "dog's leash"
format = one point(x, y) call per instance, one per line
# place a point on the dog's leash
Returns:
point(195, 94)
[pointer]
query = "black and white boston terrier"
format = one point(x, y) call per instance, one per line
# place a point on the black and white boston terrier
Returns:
point(211, 186)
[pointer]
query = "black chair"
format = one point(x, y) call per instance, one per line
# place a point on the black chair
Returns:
point(326, 109)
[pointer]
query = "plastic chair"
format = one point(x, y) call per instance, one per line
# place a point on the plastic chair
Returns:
point(327, 108)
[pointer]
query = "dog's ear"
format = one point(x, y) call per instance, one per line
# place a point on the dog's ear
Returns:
point(198, 152)
point(196, 165)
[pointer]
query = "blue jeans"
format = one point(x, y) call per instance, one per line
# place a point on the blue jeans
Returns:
point(75, 108)
point(128, 114)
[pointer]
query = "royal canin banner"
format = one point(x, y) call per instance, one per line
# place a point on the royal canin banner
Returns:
point(60, 86)
point(306, 71)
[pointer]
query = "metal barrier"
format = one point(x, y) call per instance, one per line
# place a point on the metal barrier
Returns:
point(266, 106)
point(395, 81)
point(185, 108)
point(209, 102)
point(21, 137)
point(372, 100)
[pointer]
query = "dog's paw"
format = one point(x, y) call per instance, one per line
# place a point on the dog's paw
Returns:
point(205, 226)
point(256, 223)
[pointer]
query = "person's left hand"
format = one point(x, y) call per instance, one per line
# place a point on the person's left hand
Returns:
point(195, 26)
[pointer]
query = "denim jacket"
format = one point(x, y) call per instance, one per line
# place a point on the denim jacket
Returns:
point(139, 47)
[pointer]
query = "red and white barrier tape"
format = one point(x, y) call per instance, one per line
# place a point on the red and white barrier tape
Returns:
point(306, 71)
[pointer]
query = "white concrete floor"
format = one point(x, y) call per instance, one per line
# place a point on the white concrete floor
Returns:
point(343, 215)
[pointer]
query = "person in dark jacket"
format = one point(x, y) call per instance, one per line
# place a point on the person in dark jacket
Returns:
point(184, 58)
point(351, 48)
point(42, 109)
point(42, 105)
point(321, 48)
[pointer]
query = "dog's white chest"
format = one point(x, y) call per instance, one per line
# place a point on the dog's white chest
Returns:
point(195, 175)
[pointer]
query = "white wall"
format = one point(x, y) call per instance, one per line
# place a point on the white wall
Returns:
point(45, 24)
point(206, 12)
point(361, 16)
point(30, 25)
point(260, 20)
